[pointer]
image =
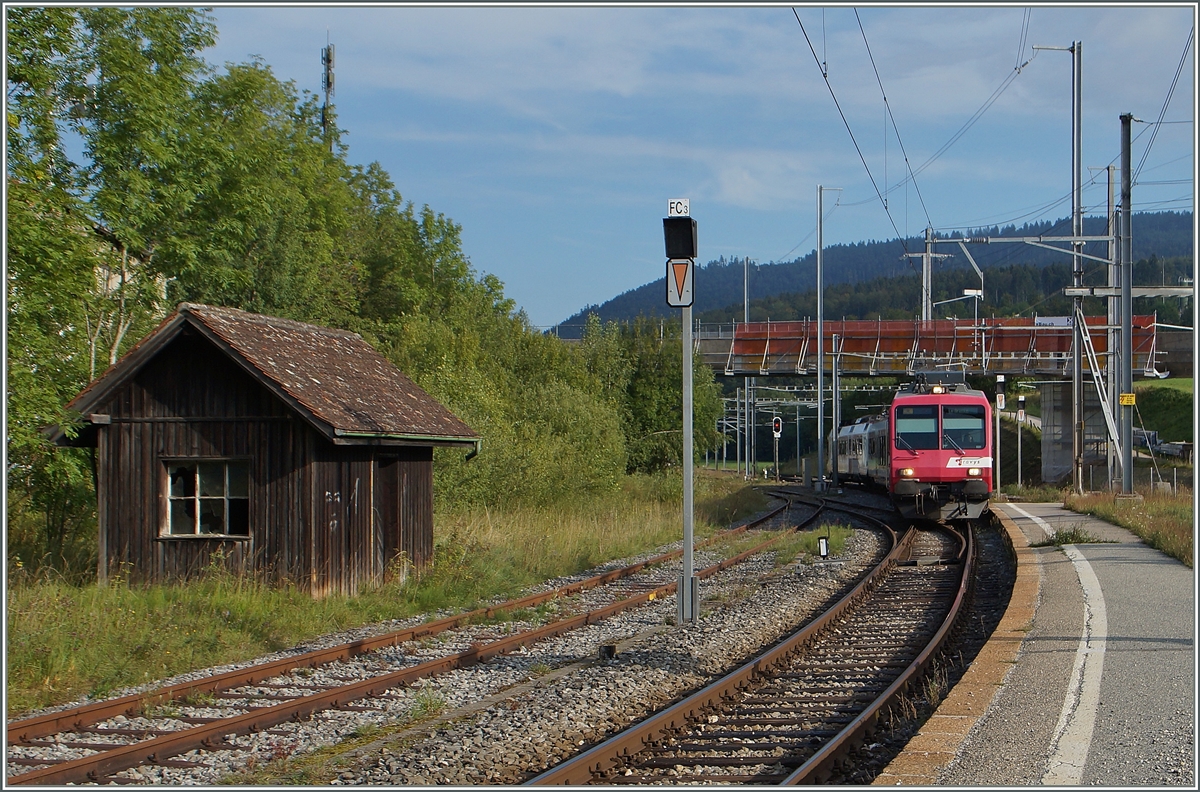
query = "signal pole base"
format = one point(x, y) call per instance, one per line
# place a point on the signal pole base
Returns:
point(687, 599)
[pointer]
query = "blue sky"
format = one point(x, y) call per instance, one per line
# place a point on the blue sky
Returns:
point(556, 135)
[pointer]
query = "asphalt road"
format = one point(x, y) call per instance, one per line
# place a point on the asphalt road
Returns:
point(1104, 688)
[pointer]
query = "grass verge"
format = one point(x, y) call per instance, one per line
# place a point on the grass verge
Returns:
point(1074, 534)
point(1164, 521)
point(68, 641)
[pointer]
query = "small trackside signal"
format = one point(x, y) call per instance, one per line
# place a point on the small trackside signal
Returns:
point(680, 236)
point(777, 426)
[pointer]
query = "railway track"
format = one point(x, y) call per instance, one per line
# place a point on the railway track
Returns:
point(97, 742)
point(788, 716)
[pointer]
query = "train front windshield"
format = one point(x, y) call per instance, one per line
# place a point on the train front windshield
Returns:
point(916, 427)
point(962, 427)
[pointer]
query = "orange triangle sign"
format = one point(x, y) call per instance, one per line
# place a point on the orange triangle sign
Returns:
point(680, 268)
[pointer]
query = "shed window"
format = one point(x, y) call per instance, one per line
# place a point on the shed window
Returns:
point(208, 498)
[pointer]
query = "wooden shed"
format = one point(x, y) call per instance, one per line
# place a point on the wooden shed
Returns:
point(278, 448)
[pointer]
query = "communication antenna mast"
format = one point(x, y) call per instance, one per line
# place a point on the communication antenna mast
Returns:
point(327, 85)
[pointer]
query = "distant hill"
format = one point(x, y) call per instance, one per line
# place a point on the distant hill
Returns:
point(1009, 290)
point(719, 283)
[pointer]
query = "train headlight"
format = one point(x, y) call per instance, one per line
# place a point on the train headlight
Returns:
point(973, 471)
point(907, 472)
point(938, 389)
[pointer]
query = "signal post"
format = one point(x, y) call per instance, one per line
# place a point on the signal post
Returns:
point(777, 430)
point(679, 233)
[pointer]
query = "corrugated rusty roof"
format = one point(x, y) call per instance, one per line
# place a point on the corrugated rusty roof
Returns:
point(334, 375)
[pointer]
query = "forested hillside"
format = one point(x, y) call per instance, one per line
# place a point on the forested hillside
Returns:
point(719, 284)
point(1015, 290)
point(219, 186)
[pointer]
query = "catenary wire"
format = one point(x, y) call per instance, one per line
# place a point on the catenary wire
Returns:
point(1187, 46)
point(851, 132)
point(895, 128)
point(1024, 36)
point(970, 122)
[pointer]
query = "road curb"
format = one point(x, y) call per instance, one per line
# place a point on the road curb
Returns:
point(936, 745)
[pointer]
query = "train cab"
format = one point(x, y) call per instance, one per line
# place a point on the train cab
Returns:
point(940, 439)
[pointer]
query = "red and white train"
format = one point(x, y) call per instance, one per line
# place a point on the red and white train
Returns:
point(932, 450)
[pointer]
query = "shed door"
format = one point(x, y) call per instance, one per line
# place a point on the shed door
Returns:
point(404, 506)
point(389, 495)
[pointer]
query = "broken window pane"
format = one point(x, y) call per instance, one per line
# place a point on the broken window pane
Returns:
point(239, 479)
point(183, 481)
point(212, 515)
point(212, 478)
point(183, 519)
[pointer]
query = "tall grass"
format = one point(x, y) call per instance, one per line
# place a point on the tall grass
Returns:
point(66, 641)
point(1164, 521)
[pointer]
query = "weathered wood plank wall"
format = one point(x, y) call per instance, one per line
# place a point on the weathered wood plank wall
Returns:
point(314, 518)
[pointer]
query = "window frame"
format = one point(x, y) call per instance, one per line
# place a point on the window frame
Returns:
point(165, 525)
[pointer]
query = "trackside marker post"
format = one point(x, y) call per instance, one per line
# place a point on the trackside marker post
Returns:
point(679, 233)
point(777, 430)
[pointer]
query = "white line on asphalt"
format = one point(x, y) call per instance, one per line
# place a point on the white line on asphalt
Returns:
point(1045, 526)
point(1073, 733)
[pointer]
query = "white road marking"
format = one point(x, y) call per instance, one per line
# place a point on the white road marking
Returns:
point(1077, 721)
point(1045, 526)
point(1073, 734)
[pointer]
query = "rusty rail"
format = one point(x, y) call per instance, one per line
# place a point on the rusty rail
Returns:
point(131, 705)
point(818, 767)
point(583, 768)
point(211, 736)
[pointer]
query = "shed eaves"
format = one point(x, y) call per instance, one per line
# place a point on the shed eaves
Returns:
point(334, 374)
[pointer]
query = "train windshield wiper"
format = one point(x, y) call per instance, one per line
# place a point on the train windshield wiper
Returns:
point(950, 440)
point(900, 439)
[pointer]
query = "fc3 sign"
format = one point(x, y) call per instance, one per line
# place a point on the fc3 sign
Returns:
point(679, 282)
point(679, 233)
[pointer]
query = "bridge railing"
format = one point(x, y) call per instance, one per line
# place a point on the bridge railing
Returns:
point(1011, 345)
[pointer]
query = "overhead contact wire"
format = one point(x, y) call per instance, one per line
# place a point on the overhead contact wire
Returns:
point(1170, 92)
point(851, 132)
point(895, 128)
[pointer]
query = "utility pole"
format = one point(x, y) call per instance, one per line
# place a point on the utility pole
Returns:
point(821, 338)
point(1020, 428)
point(327, 84)
point(820, 344)
point(1126, 309)
point(746, 380)
point(999, 409)
point(837, 408)
point(1114, 321)
point(1077, 413)
point(927, 274)
point(738, 429)
point(1076, 261)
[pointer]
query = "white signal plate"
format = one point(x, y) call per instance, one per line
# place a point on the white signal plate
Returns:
point(969, 462)
point(680, 274)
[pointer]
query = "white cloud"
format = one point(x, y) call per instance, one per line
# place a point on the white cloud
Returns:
point(487, 112)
